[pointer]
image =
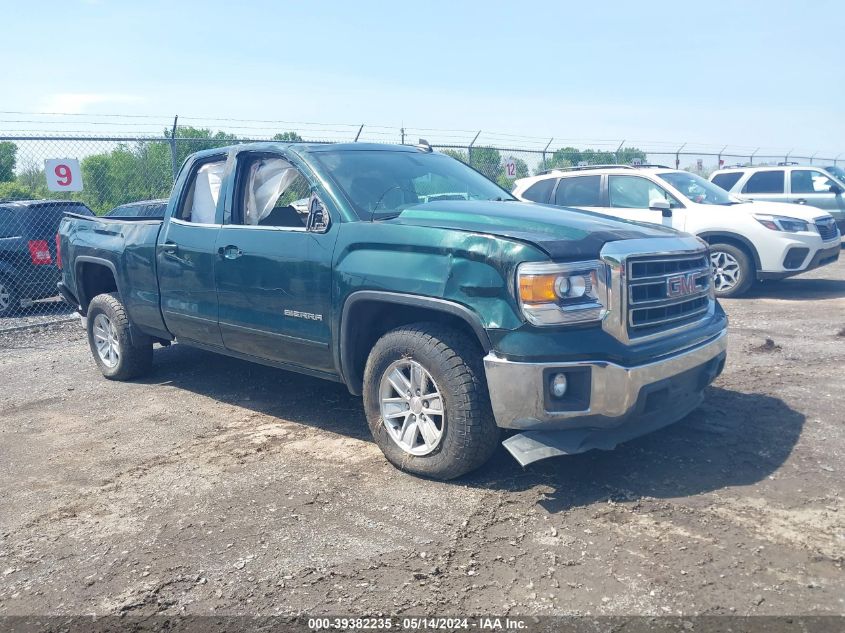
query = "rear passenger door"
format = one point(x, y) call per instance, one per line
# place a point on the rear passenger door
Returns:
point(187, 254)
point(768, 184)
point(274, 263)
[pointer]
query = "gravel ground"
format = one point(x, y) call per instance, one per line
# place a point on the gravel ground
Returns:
point(217, 486)
point(44, 312)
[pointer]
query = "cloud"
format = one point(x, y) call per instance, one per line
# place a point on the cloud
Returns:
point(79, 102)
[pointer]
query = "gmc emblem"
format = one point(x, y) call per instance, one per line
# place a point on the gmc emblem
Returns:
point(680, 285)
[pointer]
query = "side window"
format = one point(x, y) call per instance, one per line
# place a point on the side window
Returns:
point(728, 180)
point(540, 191)
point(200, 203)
point(579, 191)
point(809, 181)
point(275, 193)
point(765, 182)
point(9, 226)
point(633, 192)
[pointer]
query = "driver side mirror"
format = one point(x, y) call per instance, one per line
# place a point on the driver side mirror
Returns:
point(661, 205)
point(836, 189)
point(318, 217)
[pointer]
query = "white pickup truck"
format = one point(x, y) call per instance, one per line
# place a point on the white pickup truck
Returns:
point(748, 240)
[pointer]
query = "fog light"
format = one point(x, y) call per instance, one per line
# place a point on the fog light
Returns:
point(559, 384)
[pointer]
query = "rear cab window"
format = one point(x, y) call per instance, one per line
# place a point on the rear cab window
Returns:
point(728, 180)
point(199, 206)
point(770, 181)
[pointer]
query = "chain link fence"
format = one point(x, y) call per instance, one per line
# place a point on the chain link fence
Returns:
point(102, 174)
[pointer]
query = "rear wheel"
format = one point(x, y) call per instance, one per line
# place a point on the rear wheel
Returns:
point(111, 343)
point(10, 300)
point(733, 272)
point(426, 401)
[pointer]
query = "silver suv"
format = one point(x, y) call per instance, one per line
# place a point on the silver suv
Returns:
point(814, 186)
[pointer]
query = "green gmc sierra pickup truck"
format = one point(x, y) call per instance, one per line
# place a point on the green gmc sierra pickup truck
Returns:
point(453, 309)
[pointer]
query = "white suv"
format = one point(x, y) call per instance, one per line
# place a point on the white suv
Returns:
point(748, 240)
point(821, 187)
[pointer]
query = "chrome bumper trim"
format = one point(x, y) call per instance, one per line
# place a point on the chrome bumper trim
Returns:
point(518, 399)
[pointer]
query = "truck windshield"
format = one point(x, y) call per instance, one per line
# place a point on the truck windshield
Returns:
point(836, 171)
point(696, 188)
point(381, 183)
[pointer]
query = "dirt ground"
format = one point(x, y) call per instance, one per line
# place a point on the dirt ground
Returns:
point(217, 486)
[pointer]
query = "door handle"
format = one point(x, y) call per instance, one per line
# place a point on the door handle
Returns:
point(170, 248)
point(801, 201)
point(229, 252)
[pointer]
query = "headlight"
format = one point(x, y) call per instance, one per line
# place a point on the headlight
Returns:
point(782, 223)
point(555, 294)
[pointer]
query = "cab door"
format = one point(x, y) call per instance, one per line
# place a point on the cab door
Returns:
point(640, 199)
point(186, 256)
point(816, 189)
point(274, 264)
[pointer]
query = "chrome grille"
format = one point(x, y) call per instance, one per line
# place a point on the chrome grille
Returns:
point(666, 292)
point(827, 228)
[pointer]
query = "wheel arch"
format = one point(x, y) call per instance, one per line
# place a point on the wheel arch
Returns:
point(714, 237)
point(94, 276)
point(368, 314)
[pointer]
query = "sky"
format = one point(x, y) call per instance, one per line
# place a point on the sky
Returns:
point(748, 74)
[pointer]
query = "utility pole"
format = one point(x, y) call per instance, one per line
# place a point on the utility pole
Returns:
point(616, 153)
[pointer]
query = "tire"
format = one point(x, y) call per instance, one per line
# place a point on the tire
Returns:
point(730, 261)
point(466, 433)
point(108, 327)
point(10, 299)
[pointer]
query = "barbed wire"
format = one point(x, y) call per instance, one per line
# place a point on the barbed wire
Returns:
point(39, 123)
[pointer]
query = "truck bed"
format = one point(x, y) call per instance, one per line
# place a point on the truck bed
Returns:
point(126, 246)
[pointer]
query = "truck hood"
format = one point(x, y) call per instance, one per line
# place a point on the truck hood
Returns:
point(788, 209)
point(562, 233)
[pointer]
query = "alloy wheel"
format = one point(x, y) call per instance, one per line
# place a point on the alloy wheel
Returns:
point(106, 340)
point(412, 407)
point(726, 271)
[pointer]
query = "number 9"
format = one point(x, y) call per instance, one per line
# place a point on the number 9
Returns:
point(63, 175)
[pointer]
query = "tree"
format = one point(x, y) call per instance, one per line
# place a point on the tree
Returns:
point(14, 191)
point(572, 157)
point(457, 155)
point(290, 137)
point(191, 139)
point(522, 171)
point(8, 161)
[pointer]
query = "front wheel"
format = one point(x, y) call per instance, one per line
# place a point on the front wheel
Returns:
point(426, 401)
point(111, 343)
point(733, 272)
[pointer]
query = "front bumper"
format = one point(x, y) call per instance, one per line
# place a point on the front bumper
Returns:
point(622, 403)
point(822, 257)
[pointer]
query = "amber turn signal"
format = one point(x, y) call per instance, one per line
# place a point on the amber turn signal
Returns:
point(537, 288)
